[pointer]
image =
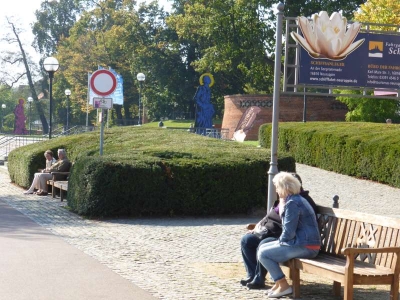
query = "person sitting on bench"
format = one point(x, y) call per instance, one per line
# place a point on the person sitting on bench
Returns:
point(50, 160)
point(62, 165)
point(267, 230)
point(300, 236)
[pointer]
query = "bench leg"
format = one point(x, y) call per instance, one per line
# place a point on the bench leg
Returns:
point(61, 195)
point(295, 276)
point(394, 289)
point(53, 191)
point(337, 288)
point(348, 291)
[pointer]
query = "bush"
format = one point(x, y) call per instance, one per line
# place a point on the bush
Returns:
point(153, 171)
point(364, 150)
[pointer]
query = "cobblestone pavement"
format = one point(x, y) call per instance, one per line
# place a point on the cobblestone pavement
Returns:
point(169, 257)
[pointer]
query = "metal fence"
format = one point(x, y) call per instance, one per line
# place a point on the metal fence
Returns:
point(217, 133)
point(10, 142)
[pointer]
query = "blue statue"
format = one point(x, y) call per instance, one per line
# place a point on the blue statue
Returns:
point(204, 109)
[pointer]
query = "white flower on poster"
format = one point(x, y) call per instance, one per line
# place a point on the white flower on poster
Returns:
point(328, 38)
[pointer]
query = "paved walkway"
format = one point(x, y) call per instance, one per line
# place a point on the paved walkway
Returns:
point(180, 258)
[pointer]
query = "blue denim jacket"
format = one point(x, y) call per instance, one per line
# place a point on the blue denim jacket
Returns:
point(299, 225)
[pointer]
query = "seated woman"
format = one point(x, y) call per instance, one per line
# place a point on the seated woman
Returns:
point(62, 165)
point(267, 230)
point(50, 160)
point(300, 236)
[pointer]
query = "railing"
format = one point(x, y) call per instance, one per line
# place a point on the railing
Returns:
point(217, 133)
point(11, 142)
point(73, 130)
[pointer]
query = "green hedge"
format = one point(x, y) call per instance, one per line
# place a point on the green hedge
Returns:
point(364, 150)
point(153, 171)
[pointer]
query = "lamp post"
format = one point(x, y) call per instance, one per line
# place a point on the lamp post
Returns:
point(51, 65)
point(140, 77)
point(3, 106)
point(30, 99)
point(67, 93)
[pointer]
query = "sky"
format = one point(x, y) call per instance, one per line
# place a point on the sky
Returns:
point(22, 13)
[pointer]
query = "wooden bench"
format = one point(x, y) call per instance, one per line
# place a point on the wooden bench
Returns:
point(62, 185)
point(356, 249)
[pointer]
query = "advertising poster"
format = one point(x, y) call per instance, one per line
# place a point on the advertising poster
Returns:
point(334, 53)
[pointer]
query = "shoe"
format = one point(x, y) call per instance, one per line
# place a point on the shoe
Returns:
point(255, 286)
point(286, 292)
point(269, 291)
point(28, 192)
point(42, 193)
point(246, 281)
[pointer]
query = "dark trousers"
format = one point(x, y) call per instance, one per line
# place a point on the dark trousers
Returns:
point(249, 246)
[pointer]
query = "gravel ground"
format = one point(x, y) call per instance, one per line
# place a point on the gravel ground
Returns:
point(195, 258)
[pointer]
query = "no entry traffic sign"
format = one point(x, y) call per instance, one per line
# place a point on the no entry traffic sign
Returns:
point(103, 82)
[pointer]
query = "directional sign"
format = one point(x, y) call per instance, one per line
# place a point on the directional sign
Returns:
point(103, 82)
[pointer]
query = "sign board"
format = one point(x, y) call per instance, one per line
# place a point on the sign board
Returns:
point(104, 103)
point(103, 82)
point(375, 64)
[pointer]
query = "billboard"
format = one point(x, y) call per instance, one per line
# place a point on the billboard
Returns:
point(374, 64)
point(334, 53)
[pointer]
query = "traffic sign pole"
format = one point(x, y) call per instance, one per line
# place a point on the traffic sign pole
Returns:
point(103, 83)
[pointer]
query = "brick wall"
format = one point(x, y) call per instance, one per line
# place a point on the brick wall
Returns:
point(290, 110)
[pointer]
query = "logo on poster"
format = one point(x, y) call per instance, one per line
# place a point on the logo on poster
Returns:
point(375, 49)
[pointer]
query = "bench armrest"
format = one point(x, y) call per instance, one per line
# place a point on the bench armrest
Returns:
point(352, 251)
point(55, 174)
point(250, 226)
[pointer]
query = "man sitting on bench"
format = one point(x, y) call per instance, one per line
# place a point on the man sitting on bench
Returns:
point(62, 165)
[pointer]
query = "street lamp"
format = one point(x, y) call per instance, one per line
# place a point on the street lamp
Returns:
point(67, 93)
point(30, 99)
point(3, 106)
point(51, 65)
point(140, 77)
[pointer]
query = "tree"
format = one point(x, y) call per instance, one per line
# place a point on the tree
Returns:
point(369, 109)
point(381, 12)
point(54, 20)
point(18, 58)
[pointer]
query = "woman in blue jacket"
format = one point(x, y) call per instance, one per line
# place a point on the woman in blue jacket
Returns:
point(300, 236)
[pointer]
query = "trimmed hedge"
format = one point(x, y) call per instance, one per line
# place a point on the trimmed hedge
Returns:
point(153, 171)
point(364, 150)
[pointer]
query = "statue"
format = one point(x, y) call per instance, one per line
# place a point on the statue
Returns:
point(19, 123)
point(204, 109)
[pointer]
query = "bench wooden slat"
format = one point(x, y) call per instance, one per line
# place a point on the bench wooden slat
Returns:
point(356, 249)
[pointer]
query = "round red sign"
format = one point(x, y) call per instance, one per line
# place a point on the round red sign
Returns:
point(103, 82)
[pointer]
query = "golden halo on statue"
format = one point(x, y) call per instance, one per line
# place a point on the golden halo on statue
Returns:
point(210, 76)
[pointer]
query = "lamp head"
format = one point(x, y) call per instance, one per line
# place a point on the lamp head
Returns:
point(30, 99)
point(67, 92)
point(50, 64)
point(141, 77)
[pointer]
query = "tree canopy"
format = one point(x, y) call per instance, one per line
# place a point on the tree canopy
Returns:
point(232, 39)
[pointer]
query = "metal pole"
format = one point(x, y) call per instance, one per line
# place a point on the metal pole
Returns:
point(273, 169)
point(102, 132)
point(304, 106)
point(67, 112)
point(140, 94)
point(30, 121)
point(51, 75)
point(87, 103)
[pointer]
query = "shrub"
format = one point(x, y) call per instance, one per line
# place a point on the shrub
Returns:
point(153, 171)
point(364, 150)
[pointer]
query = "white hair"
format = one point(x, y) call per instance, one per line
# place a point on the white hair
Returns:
point(286, 184)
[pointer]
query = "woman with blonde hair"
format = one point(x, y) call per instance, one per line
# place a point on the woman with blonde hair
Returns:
point(300, 236)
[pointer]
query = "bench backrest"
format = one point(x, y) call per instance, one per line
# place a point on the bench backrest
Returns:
point(341, 228)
